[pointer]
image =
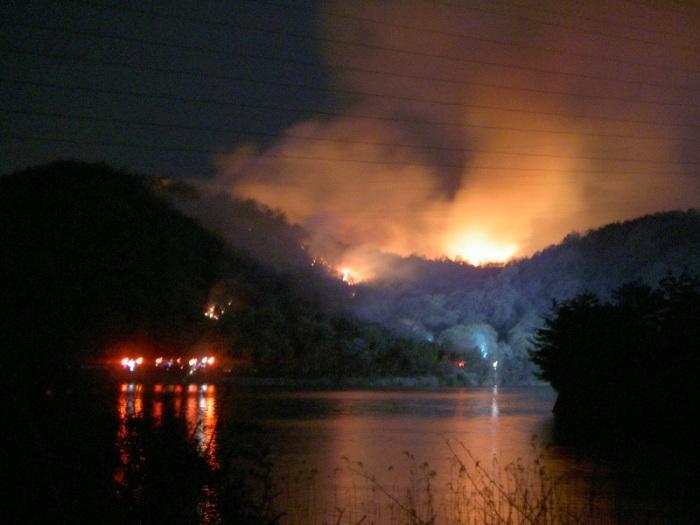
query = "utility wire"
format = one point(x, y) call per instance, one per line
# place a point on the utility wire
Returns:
point(311, 158)
point(243, 132)
point(454, 59)
point(565, 26)
point(657, 7)
point(404, 120)
point(288, 60)
point(465, 36)
point(587, 18)
point(282, 84)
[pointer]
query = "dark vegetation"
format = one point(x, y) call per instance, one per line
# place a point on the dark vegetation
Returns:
point(625, 369)
point(455, 303)
point(89, 257)
point(93, 256)
point(462, 308)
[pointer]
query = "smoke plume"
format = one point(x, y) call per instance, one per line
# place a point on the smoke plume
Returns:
point(482, 183)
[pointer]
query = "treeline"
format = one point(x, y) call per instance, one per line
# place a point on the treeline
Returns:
point(454, 304)
point(90, 256)
point(626, 367)
point(433, 299)
point(93, 256)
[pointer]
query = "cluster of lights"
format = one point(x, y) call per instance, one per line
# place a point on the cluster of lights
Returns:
point(131, 363)
point(194, 363)
point(204, 362)
point(215, 311)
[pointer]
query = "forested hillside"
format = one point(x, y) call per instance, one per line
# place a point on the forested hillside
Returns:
point(93, 257)
point(478, 314)
point(499, 309)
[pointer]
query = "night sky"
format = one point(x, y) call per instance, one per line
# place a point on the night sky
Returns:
point(473, 129)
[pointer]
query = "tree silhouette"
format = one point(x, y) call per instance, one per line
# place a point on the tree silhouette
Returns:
point(628, 365)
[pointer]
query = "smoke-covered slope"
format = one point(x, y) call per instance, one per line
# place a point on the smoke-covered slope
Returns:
point(497, 310)
point(487, 311)
point(93, 258)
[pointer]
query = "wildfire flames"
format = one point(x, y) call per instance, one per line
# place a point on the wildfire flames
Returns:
point(349, 276)
point(518, 167)
point(479, 250)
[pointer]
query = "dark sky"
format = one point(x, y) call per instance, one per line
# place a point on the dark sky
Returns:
point(472, 128)
point(197, 78)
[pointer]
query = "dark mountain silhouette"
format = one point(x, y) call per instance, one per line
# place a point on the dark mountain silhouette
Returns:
point(94, 256)
point(89, 255)
point(495, 310)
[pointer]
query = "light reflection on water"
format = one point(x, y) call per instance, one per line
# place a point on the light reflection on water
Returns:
point(312, 431)
point(195, 403)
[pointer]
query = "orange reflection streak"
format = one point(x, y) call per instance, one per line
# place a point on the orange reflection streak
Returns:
point(200, 414)
point(129, 404)
point(201, 419)
point(177, 403)
point(209, 421)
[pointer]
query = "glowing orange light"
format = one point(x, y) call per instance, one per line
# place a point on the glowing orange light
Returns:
point(214, 312)
point(478, 249)
point(192, 362)
point(139, 360)
point(159, 360)
point(349, 275)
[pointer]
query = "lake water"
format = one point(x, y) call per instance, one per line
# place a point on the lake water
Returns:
point(359, 456)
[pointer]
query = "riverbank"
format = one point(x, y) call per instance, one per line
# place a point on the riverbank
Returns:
point(418, 382)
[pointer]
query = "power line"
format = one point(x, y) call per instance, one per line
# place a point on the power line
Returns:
point(310, 158)
point(502, 42)
point(403, 120)
point(589, 18)
point(656, 7)
point(432, 2)
point(285, 60)
point(242, 132)
point(283, 32)
point(282, 84)
point(565, 26)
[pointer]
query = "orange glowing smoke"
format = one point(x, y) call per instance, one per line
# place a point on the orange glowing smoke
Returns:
point(497, 183)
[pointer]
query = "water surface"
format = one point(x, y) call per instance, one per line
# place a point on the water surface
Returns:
point(325, 444)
